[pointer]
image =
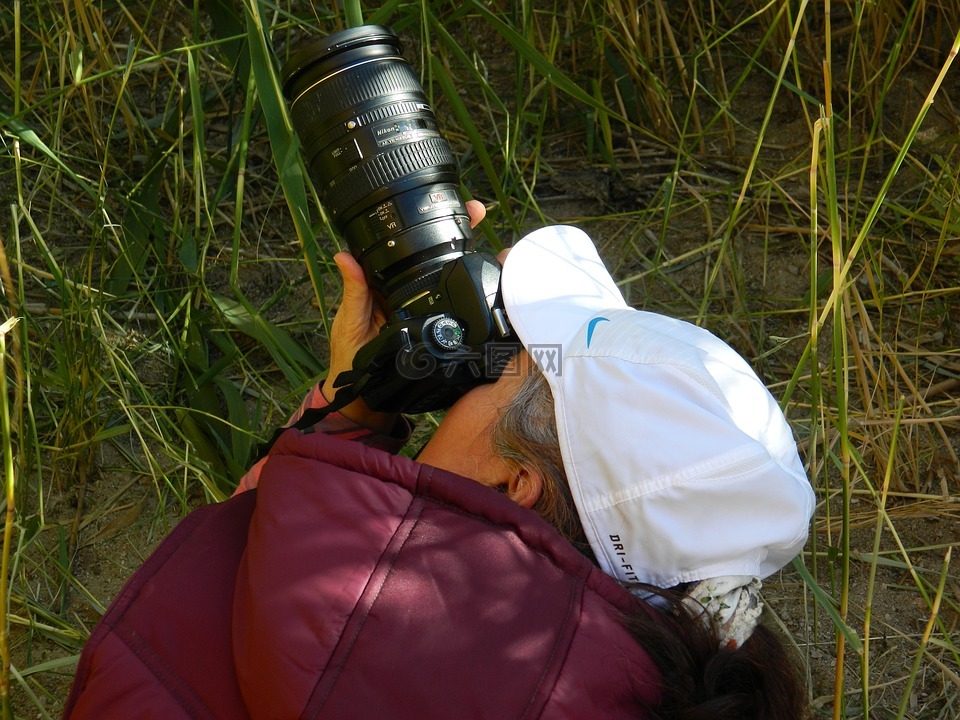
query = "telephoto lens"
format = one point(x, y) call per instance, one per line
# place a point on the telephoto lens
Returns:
point(390, 184)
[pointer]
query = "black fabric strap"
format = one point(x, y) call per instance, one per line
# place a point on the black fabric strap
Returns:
point(346, 394)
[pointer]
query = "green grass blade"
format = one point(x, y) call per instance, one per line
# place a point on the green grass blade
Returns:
point(826, 602)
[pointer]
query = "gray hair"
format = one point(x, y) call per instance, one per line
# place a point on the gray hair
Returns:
point(525, 435)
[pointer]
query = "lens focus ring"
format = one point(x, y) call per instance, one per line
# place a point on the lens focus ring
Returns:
point(383, 169)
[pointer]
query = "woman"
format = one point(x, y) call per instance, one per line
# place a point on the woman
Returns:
point(354, 583)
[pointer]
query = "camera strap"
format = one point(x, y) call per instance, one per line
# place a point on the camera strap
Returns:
point(346, 393)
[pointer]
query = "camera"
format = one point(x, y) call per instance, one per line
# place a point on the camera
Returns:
point(389, 183)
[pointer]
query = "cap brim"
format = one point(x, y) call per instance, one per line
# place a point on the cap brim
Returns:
point(553, 282)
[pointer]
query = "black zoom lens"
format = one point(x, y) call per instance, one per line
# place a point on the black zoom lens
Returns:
point(387, 178)
point(390, 184)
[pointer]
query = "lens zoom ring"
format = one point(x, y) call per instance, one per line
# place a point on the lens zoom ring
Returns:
point(385, 168)
point(390, 111)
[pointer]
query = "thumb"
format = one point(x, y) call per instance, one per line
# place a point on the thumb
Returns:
point(357, 298)
point(351, 272)
point(360, 316)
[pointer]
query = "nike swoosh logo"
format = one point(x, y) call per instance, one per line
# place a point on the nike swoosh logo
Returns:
point(591, 326)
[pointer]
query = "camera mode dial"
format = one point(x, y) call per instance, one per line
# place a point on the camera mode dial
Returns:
point(446, 333)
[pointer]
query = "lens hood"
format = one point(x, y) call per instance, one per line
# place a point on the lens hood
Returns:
point(326, 49)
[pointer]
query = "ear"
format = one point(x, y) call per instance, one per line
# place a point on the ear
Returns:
point(525, 487)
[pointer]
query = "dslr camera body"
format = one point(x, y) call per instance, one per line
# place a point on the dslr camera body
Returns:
point(390, 185)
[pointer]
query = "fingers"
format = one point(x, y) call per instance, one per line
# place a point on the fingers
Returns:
point(476, 211)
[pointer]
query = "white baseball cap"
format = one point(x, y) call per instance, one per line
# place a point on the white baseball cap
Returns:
point(681, 463)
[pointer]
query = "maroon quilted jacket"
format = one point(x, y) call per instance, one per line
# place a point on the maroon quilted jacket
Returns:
point(357, 584)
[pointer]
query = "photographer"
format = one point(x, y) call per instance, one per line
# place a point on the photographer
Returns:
point(518, 568)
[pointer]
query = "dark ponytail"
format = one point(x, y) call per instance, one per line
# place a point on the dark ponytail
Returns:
point(701, 680)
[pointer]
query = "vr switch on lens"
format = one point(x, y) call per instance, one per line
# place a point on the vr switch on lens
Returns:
point(390, 184)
